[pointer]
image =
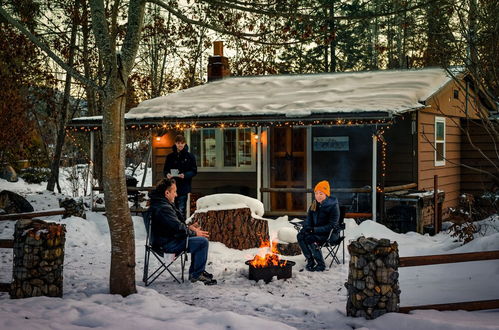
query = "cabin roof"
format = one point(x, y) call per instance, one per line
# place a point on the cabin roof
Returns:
point(368, 94)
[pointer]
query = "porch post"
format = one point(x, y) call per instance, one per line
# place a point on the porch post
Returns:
point(375, 170)
point(259, 163)
point(91, 169)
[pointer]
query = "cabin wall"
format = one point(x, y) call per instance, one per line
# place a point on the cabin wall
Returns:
point(350, 168)
point(204, 183)
point(473, 182)
point(443, 104)
point(401, 156)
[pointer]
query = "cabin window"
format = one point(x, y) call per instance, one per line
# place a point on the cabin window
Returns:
point(203, 146)
point(229, 148)
point(456, 94)
point(439, 141)
point(237, 147)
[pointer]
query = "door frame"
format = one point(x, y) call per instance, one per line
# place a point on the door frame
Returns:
point(267, 133)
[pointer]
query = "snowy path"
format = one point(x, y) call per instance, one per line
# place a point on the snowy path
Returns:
point(306, 301)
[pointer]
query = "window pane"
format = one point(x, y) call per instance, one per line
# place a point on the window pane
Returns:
point(244, 147)
point(440, 131)
point(195, 146)
point(440, 151)
point(229, 147)
point(209, 147)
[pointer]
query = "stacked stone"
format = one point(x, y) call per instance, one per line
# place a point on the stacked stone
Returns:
point(373, 287)
point(73, 208)
point(38, 259)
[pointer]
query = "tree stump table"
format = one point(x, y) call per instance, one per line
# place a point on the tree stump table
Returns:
point(235, 228)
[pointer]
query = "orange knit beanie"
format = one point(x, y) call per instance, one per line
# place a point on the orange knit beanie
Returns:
point(324, 187)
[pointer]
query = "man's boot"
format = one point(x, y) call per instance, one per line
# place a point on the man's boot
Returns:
point(319, 259)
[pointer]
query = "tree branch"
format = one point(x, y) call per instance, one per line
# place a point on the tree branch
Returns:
point(251, 7)
point(241, 35)
point(136, 12)
point(101, 33)
point(75, 74)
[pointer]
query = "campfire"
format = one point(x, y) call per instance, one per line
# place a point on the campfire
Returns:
point(267, 264)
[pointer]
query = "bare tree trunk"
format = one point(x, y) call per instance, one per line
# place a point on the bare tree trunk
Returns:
point(63, 113)
point(122, 273)
point(118, 67)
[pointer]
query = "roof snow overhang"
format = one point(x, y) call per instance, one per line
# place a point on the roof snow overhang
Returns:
point(371, 97)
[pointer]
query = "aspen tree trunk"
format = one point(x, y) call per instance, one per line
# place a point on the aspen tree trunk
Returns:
point(118, 66)
point(122, 273)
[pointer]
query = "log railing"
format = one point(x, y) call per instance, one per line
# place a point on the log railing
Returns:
point(339, 190)
point(9, 243)
point(445, 259)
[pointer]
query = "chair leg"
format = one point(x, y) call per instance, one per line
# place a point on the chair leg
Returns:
point(146, 267)
point(343, 243)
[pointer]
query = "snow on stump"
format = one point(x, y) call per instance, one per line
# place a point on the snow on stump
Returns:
point(231, 220)
point(373, 287)
point(38, 259)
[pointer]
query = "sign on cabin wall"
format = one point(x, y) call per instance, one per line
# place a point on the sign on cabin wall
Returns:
point(331, 143)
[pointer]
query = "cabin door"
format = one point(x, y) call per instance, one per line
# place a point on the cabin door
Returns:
point(288, 168)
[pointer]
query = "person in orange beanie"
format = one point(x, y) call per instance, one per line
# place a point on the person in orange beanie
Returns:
point(322, 217)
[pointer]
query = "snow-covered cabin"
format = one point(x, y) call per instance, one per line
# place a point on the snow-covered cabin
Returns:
point(273, 137)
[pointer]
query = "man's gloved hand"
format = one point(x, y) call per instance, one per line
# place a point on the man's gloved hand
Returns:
point(308, 229)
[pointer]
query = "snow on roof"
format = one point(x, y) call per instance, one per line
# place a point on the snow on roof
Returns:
point(298, 96)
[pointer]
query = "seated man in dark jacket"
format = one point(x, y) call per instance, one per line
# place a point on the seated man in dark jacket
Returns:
point(323, 215)
point(172, 235)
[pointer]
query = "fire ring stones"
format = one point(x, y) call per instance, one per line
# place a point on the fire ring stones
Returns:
point(373, 287)
point(38, 259)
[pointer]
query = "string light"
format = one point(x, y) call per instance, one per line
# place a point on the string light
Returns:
point(380, 137)
point(238, 124)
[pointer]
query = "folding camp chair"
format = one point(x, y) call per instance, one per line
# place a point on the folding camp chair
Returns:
point(333, 245)
point(159, 254)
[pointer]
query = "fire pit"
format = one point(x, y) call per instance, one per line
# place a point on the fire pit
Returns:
point(282, 271)
point(267, 264)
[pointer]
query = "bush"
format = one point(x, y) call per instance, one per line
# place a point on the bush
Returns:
point(35, 174)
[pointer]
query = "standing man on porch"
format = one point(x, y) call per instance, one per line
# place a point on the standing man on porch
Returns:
point(181, 165)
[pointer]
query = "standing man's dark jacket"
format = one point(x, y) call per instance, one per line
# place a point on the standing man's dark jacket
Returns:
point(167, 222)
point(324, 218)
point(185, 162)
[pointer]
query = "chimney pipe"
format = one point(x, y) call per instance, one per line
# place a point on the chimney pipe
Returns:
point(218, 64)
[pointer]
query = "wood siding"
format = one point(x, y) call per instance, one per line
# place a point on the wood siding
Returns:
point(401, 158)
point(442, 104)
point(471, 181)
point(160, 149)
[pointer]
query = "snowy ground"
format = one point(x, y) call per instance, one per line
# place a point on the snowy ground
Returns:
point(306, 301)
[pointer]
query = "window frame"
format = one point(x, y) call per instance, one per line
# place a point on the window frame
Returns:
point(440, 120)
point(219, 151)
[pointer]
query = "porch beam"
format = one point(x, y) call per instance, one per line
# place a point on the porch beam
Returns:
point(92, 138)
point(374, 174)
point(259, 164)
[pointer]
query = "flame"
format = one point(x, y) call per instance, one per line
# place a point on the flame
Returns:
point(267, 256)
